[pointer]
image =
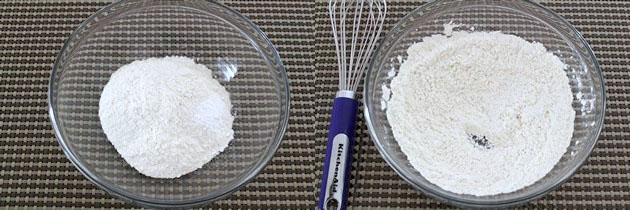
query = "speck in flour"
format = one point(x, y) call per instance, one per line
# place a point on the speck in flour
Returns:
point(481, 113)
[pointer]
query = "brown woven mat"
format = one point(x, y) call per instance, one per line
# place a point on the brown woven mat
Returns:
point(604, 182)
point(34, 172)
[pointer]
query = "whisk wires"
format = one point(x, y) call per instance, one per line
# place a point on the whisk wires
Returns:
point(364, 29)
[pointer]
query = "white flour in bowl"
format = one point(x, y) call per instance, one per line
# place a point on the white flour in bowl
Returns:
point(481, 113)
point(166, 116)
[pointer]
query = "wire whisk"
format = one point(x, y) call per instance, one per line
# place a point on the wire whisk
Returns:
point(365, 30)
point(354, 43)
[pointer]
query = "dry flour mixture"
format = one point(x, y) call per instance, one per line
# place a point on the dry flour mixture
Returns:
point(166, 116)
point(481, 113)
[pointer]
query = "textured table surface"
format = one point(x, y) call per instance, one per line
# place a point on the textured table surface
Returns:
point(34, 173)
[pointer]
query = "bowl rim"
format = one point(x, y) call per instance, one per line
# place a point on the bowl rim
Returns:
point(472, 203)
point(118, 192)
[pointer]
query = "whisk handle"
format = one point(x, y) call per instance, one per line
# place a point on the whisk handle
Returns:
point(339, 148)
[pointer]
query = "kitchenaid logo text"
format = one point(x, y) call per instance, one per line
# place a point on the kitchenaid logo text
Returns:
point(337, 163)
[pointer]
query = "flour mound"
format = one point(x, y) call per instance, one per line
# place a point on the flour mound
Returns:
point(481, 113)
point(166, 116)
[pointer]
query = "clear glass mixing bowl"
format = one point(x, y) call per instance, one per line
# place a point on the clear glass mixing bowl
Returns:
point(236, 51)
point(526, 19)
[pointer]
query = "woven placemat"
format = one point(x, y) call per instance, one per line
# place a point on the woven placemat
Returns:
point(34, 172)
point(604, 182)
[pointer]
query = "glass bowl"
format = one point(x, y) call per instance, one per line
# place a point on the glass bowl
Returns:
point(525, 19)
point(232, 47)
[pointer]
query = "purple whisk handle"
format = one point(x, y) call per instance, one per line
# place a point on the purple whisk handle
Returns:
point(335, 181)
